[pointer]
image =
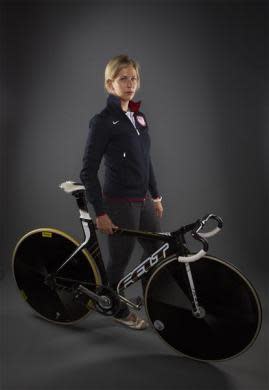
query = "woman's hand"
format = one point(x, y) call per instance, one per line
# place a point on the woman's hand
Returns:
point(158, 208)
point(104, 224)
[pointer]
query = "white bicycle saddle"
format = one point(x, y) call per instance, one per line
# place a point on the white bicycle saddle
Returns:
point(71, 186)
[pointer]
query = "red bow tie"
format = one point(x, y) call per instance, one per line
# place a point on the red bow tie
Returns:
point(134, 106)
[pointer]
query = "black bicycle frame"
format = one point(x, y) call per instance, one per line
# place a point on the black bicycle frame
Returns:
point(173, 243)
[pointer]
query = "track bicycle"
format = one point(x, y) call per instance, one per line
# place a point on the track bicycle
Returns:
point(201, 306)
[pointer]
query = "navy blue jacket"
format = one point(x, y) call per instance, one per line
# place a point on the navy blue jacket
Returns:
point(128, 169)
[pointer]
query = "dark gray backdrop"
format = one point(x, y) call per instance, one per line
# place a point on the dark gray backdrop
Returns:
point(205, 94)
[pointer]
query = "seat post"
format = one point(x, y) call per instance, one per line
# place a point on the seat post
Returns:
point(91, 241)
point(82, 204)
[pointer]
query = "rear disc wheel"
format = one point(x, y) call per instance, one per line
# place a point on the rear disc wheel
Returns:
point(54, 297)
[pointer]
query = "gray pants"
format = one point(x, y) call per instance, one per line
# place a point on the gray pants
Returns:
point(129, 215)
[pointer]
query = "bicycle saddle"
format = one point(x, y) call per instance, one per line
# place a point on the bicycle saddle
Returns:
point(71, 186)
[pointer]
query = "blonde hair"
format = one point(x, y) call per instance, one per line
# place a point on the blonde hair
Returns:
point(116, 64)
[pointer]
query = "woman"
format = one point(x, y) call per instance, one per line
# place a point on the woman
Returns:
point(119, 133)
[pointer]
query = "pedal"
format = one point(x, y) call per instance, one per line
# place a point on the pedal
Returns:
point(137, 301)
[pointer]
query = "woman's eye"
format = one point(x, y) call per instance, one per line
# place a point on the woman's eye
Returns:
point(125, 78)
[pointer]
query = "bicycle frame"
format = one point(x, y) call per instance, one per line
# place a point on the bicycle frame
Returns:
point(171, 244)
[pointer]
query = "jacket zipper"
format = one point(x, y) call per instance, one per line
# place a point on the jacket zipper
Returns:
point(133, 125)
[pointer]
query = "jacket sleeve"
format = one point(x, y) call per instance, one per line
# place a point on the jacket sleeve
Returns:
point(153, 189)
point(97, 141)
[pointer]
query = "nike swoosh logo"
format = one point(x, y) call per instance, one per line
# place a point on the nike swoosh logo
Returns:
point(114, 123)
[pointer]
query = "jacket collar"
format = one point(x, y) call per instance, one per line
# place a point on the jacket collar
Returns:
point(114, 102)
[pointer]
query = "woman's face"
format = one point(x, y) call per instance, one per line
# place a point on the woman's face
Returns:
point(125, 84)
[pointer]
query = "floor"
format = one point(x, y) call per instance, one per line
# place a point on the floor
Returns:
point(99, 354)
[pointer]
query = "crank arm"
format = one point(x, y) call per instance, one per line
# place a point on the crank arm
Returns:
point(102, 300)
point(130, 303)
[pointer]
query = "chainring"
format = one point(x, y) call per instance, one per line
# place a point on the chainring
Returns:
point(112, 296)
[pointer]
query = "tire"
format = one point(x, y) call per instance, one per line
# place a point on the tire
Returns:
point(231, 310)
point(41, 252)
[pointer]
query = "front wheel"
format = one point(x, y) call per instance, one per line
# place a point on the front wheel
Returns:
point(36, 257)
point(230, 308)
